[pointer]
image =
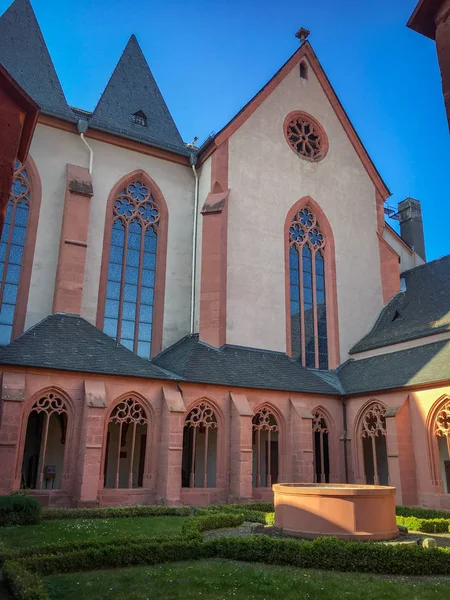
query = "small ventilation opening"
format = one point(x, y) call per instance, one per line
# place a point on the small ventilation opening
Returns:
point(303, 71)
point(140, 119)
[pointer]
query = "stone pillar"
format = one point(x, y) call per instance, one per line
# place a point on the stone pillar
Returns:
point(90, 455)
point(73, 243)
point(171, 446)
point(11, 413)
point(443, 51)
point(241, 465)
point(392, 453)
point(301, 443)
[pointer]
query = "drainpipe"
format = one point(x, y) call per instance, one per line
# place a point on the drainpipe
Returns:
point(344, 416)
point(82, 127)
point(193, 161)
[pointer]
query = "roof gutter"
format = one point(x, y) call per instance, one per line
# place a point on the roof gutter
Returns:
point(82, 127)
point(193, 161)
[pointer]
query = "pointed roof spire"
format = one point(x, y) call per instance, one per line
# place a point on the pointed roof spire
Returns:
point(132, 90)
point(25, 56)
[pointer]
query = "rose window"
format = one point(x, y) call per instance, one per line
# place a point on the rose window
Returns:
point(306, 137)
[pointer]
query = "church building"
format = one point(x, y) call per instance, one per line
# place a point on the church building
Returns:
point(190, 325)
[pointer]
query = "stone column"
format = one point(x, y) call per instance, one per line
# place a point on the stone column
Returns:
point(301, 443)
point(91, 446)
point(241, 465)
point(392, 453)
point(11, 413)
point(171, 446)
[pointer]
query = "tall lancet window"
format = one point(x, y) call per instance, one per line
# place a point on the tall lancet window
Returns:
point(130, 286)
point(12, 247)
point(307, 291)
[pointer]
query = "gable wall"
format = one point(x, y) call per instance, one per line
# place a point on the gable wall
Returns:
point(52, 149)
point(266, 178)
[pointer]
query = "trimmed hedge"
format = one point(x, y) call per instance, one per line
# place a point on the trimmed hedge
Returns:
point(210, 521)
point(19, 510)
point(425, 525)
point(333, 554)
point(116, 512)
point(421, 513)
point(23, 584)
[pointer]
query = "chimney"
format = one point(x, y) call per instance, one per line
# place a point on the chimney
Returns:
point(411, 225)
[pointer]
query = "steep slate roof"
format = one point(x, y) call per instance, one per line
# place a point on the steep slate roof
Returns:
point(242, 367)
point(24, 55)
point(132, 88)
point(422, 310)
point(70, 343)
point(415, 366)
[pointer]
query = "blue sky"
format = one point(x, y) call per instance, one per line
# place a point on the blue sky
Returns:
point(209, 58)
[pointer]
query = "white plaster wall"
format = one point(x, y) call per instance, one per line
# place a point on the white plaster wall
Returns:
point(408, 259)
point(52, 149)
point(266, 178)
point(203, 190)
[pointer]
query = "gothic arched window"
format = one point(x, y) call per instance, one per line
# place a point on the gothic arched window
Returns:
point(45, 442)
point(130, 287)
point(321, 448)
point(373, 434)
point(308, 311)
point(265, 430)
point(12, 246)
point(126, 444)
point(199, 464)
point(442, 433)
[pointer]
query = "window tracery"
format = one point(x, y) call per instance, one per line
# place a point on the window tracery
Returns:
point(12, 246)
point(132, 265)
point(265, 448)
point(373, 433)
point(126, 445)
point(321, 448)
point(305, 136)
point(200, 446)
point(307, 290)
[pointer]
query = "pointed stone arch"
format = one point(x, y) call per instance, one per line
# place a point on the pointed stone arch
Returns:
point(202, 459)
point(128, 435)
point(44, 457)
point(438, 442)
point(159, 222)
point(370, 439)
point(322, 425)
point(329, 264)
point(267, 424)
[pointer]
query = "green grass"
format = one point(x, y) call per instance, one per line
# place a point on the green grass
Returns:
point(219, 579)
point(49, 532)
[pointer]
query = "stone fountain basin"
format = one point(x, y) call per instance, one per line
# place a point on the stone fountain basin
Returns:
point(351, 512)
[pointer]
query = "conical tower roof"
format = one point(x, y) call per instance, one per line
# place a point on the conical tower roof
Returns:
point(25, 56)
point(132, 90)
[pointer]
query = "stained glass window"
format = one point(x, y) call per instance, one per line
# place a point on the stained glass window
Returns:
point(131, 269)
point(309, 342)
point(12, 246)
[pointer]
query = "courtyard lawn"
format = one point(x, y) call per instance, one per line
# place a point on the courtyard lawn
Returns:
point(69, 530)
point(219, 579)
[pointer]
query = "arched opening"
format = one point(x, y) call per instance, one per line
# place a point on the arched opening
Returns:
point(133, 272)
point(126, 444)
point(199, 465)
point(265, 430)
point(45, 441)
point(442, 433)
point(321, 448)
point(303, 70)
point(373, 434)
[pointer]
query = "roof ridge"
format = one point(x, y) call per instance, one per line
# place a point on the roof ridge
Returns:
point(427, 264)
